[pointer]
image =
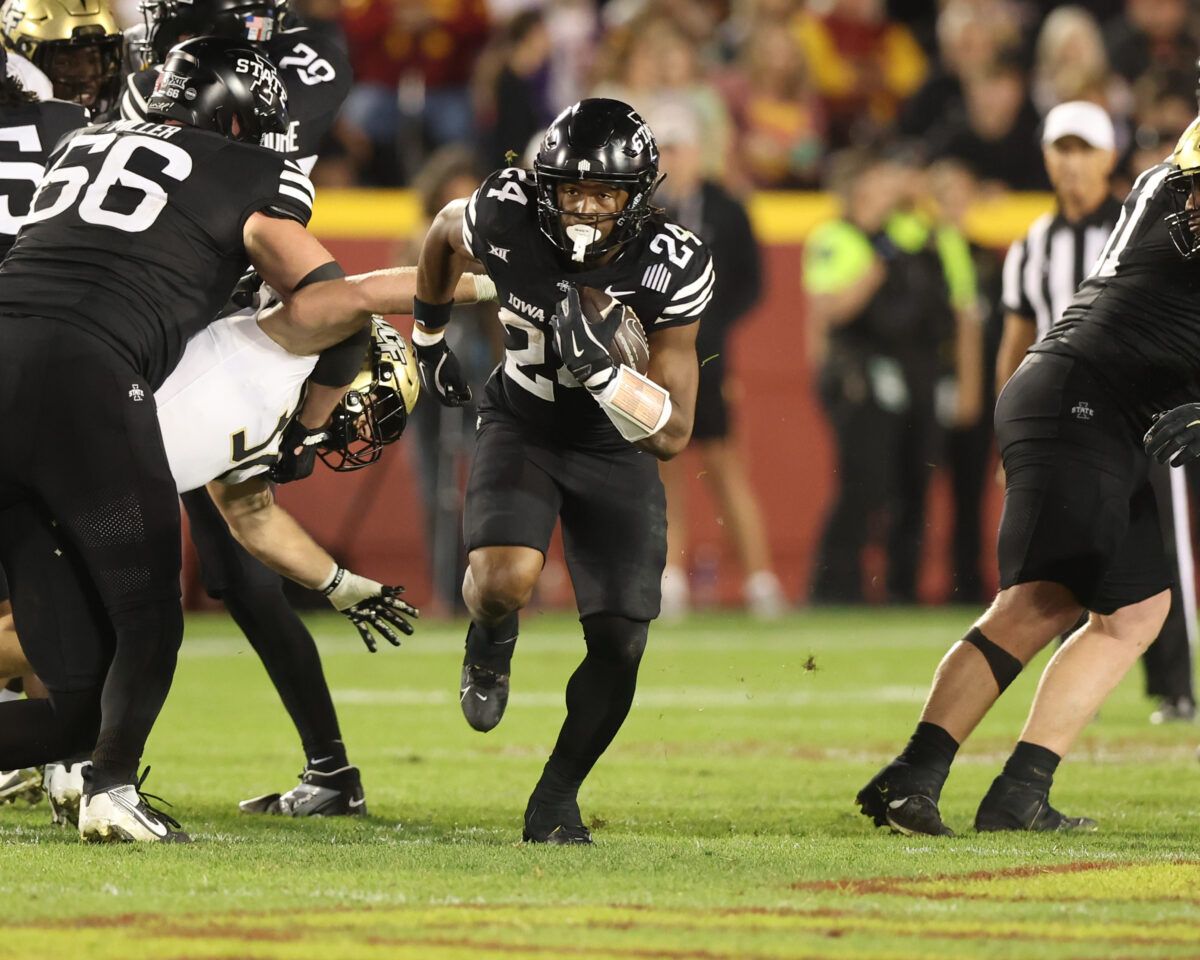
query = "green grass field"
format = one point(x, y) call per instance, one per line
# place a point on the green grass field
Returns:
point(723, 815)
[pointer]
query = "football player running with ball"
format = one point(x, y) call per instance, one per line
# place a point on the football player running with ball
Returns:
point(564, 430)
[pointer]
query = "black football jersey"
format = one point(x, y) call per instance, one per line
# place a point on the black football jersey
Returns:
point(135, 234)
point(27, 135)
point(665, 275)
point(316, 75)
point(1136, 317)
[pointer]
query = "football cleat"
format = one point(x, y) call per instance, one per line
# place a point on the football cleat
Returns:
point(25, 784)
point(1012, 804)
point(64, 784)
point(1174, 710)
point(123, 814)
point(560, 824)
point(338, 793)
point(899, 798)
point(483, 695)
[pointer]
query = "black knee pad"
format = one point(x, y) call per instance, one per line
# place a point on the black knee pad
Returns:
point(617, 639)
point(1004, 666)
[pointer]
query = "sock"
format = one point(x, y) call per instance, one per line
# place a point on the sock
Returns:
point(599, 695)
point(493, 646)
point(556, 787)
point(931, 748)
point(1032, 764)
point(326, 757)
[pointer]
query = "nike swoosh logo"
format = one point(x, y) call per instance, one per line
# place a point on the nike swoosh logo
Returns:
point(358, 803)
point(619, 293)
point(482, 697)
point(316, 760)
point(500, 643)
point(575, 346)
point(154, 826)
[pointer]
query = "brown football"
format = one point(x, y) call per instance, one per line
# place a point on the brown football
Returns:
point(628, 345)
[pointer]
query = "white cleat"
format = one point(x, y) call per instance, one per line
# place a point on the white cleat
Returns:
point(25, 784)
point(764, 595)
point(121, 814)
point(63, 783)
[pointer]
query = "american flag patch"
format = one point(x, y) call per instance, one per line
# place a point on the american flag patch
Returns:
point(657, 277)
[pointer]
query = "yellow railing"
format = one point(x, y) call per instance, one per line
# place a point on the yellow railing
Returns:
point(778, 217)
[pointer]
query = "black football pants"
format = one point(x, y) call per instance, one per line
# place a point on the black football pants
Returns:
point(80, 446)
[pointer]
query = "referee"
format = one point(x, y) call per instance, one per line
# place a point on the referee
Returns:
point(1041, 273)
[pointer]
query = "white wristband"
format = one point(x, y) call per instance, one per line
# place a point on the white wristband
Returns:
point(637, 406)
point(344, 589)
point(421, 338)
point(485, 287)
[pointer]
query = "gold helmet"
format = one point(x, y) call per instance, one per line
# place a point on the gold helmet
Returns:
point(76, 43)
point(374, 410)
point(1184, 224)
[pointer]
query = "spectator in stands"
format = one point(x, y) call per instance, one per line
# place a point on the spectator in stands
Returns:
point(1165, 106)
point(970, 33)
point(1152, 33)
point(654, 60)
point(444, 437)
point(996, 133)
point(1071, 64)
point(413, 62)
point(879, 314)
point(511, 88)
point(778, 117)
point(863, 65)
point(706, 208)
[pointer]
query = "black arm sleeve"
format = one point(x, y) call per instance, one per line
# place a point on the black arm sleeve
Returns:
point(338, 365)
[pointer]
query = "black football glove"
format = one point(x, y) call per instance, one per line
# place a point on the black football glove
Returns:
point(1175, 435)
point(297, 452)
point(441, 373)
point(579, 348)
point(366, 603)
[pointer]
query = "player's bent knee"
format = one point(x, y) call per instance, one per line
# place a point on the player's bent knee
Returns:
point(503, 579)
point(1038, 611)
point(615, 638)
point(1138, 623)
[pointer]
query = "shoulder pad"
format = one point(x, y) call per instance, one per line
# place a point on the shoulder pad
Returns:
point(677, 273)
point(505, 201)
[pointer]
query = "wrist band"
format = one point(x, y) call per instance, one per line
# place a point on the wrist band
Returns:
point(422, 338)
point(432, 316)
point(334, 579)
point(485, 287)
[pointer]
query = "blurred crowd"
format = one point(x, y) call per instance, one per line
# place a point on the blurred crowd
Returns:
point(779, 85)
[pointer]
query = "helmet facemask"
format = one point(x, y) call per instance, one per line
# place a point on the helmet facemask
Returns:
point(374, 410)
point(1183, 226)
point(583, 238)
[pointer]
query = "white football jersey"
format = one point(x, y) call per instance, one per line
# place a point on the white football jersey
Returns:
point(223, 409)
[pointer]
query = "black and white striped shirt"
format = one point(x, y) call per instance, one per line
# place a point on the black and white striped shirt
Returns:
point(1044, 269)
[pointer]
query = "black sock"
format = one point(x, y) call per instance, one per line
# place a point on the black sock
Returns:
point(289, 654)
point(931, 748)
point(34, 732)
point(326, 757)
point(599, 695)
point(1032, 763)
point(493, 646)
point(139, 678)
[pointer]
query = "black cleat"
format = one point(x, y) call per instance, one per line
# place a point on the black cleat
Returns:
point(338, 793)
point(1012, 804)
point(560, 823)
point(899, 798)
point(483, 695)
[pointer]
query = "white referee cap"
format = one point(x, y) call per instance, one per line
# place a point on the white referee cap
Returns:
point(1079, 118)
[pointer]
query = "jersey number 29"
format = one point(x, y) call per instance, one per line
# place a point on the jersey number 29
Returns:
point(71, 181)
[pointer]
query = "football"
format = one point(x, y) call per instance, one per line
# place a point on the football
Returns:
point(628, 344)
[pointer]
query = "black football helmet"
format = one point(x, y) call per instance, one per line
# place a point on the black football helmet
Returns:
point(603, 141)
point(374, 410)
point(166, 22)
point(208, 82)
